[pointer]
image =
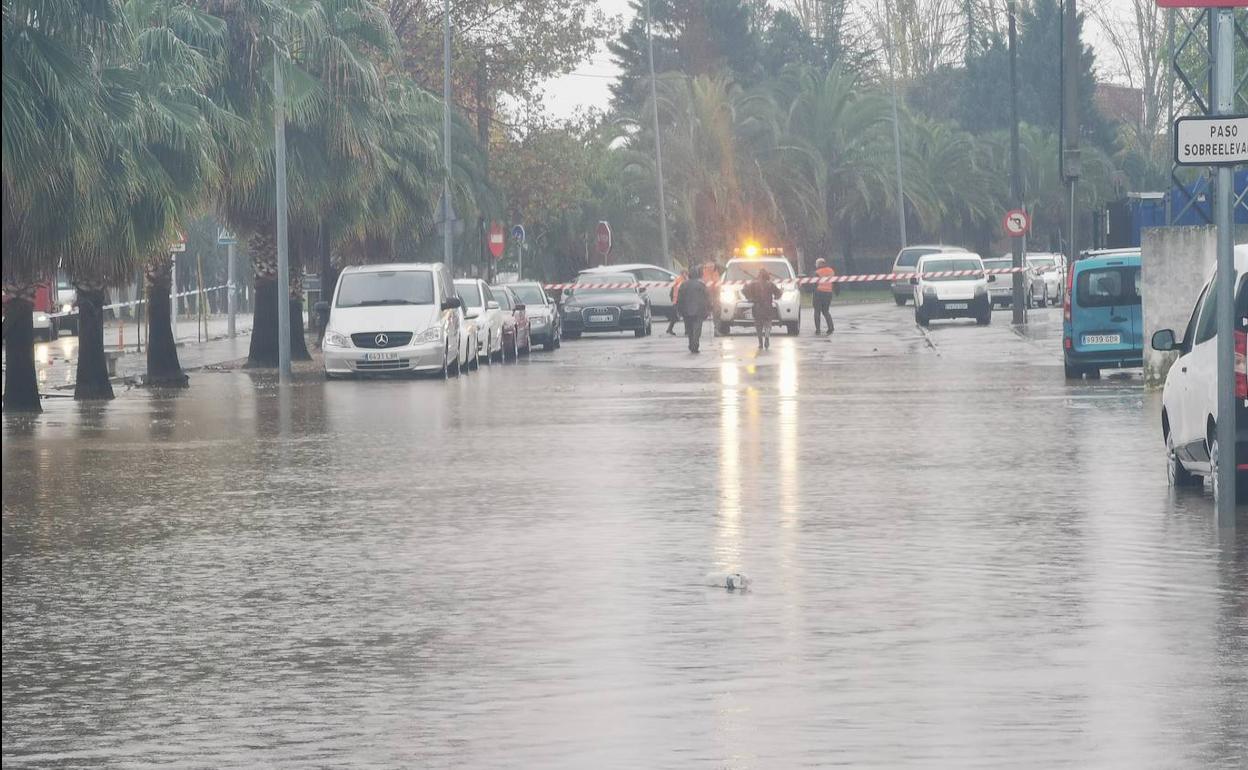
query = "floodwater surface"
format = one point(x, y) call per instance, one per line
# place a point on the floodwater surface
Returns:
point(957, 559)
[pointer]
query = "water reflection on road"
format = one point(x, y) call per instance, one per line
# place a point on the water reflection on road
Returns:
point(958, 560)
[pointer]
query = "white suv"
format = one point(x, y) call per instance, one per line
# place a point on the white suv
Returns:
point(733, 309)
point(951, 285)
point(1189, 402)
point(393, 318)
point(480, 306)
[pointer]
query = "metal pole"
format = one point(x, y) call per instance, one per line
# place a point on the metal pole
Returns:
point(1071, 166)
point(448, 232)
point(230, 297)
point(1016, 183)
point(901, 190)
point(658, 146)
point(283, 257)
point(173, 298)
point(1223, 48)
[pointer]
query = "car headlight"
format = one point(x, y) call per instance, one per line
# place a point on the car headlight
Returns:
point(728, 295)
point(432, 334)
point(570, 310)
point(41, 318)
point(929, 291)
point(981, 290)
point(336, 340)
point(631, 306)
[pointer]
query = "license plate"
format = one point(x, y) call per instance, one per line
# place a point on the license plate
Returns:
point(598, 319)
point(956, 306)
point(381, 356)
point(1102, 339)
point(747, 314)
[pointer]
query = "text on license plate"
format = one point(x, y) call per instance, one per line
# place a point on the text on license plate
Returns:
point(1102, 339)
point(955, 306)
point(598, 319)
point(381, 356)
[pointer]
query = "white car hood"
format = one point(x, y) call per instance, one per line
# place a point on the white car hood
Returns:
point(383, 318)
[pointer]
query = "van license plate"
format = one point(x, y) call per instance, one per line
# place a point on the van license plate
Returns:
point(381, 356)
point(1102, 339)
point(955, 306)
point(600, 319)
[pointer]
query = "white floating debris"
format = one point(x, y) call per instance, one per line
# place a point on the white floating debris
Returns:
point(733, 581)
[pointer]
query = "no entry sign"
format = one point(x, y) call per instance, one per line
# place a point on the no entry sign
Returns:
point(1213, 140)
point(1016, 223)
point(602, 238)
point(497, 239)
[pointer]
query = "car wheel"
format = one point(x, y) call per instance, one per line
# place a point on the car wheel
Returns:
point(921, 318)
point(551, 344)
point(723, 329)
point(572, 335)
point(1176, 474)
point(793, 328)
point(901, 301)
point(1072, 372)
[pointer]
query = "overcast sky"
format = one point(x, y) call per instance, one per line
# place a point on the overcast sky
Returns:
point(589, 85)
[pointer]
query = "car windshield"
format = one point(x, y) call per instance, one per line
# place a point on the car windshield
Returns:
point(469, 293)
point(748, 271)
point(1108, 287)
point(1041, 261)
point(503, 299)
point(593, 283)
point(530, 294)
point(911, 257)
point(998, 264)
point(391, 287)
point(952, 265)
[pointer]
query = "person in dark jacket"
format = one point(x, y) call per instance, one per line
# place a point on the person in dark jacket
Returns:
point(763, 293)
point(694, 304)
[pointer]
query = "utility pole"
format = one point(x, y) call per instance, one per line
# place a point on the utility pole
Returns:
point(173, 297)
point(283, 256)
point(901, 190)
point(1070, 116)
point(448, 231)
point(658, 146)
point(1222, 47)
point(1016, 182)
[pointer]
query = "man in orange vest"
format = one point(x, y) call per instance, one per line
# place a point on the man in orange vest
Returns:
point(671, 319)
point(823, 294)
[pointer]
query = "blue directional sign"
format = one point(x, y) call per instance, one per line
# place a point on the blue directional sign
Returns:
point(517, 233)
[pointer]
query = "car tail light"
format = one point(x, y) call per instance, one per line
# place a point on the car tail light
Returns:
point(1241, 365)
point(1070, 285)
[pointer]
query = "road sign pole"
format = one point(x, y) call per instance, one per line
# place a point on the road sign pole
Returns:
point(173, 297)
point(283, 257)
point(1016, 186)
point(448, 234)
point(231, 298)
point(1223, 48)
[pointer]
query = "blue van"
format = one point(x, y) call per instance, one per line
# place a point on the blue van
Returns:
point(1103, 324)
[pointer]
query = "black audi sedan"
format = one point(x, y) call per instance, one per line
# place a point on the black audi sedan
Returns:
point(605, 302)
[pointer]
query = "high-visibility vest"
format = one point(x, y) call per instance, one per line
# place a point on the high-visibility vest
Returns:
point(676, 288)
point(825, 272)
point(709, 273)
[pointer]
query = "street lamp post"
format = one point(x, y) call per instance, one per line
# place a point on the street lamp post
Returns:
point(283, 256)
point(892, 78)
point(448, 233)
point(1016, 185)
point(658, 147)
point(1223, 47)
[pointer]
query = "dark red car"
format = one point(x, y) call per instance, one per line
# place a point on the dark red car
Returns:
point(517, 337)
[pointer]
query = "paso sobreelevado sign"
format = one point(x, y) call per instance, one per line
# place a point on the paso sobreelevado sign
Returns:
point(1214, 140)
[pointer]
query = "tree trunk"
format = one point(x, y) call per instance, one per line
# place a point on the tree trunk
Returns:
point(163, 368)
point(263, 351)
point(92, 379)
point(21, 386)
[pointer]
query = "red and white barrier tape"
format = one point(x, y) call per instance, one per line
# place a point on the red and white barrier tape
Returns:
point(807, 281)
point(134, 302)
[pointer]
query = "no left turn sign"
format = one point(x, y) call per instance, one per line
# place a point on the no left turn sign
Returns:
point(1016, 223)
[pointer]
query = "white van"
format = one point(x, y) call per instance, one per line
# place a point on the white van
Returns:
point(394, 318)
point(734, 310)
point(951, 285)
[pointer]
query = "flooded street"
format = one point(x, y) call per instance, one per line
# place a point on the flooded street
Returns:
point(958, 559)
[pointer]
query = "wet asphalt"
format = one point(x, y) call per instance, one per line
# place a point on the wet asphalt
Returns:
point(957, 559)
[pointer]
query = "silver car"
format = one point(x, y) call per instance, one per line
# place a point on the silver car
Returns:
point(1048, 282)
point(1001, 292)
point(544, 323)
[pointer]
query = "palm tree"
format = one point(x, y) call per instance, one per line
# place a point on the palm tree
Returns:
point(57, 96)
point(843, 127)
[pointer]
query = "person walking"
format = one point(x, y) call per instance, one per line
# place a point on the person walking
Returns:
point(675, 314)
point(824, 292)
point(711, 278)
point(694, 306)
point(762, 292)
